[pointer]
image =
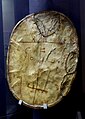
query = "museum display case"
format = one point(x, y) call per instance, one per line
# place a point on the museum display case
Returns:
point(11, 12)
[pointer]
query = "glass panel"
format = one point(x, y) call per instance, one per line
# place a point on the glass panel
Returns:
point(11, 12)
point(2, 78)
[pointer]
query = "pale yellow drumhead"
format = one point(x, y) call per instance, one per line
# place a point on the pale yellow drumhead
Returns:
point(42, 58)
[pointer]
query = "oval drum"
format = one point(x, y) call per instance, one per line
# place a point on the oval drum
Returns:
point(42, 58)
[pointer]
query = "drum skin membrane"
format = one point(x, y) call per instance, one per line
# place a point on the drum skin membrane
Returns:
point(42, 58)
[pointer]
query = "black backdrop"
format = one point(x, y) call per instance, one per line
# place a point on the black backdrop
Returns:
point(11, 11)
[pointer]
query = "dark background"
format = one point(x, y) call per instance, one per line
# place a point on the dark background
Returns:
point(11, 11)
